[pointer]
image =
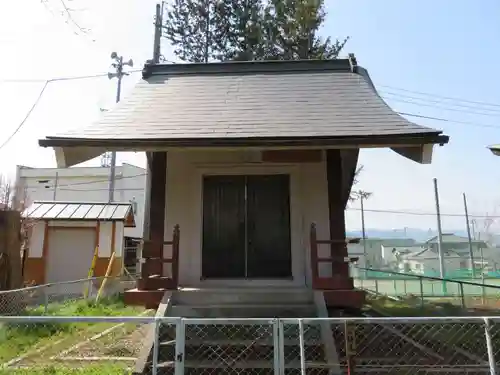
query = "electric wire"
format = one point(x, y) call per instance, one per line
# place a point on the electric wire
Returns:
point(441, 96)
point(30, 111)
point(46, 83)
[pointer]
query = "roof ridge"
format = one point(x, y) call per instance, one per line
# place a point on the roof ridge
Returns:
point(246, 67)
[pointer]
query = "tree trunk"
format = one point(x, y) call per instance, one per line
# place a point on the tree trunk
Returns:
point(10, 248)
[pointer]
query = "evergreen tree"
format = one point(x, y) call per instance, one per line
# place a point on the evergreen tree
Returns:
point(292, 28)
point(222, 30)
point(195, 28)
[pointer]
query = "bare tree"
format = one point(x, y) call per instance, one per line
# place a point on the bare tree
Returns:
point(13, 203)
point(357, 194)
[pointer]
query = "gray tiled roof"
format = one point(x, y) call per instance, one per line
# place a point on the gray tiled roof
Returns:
point(227, 104)
point(42, 210)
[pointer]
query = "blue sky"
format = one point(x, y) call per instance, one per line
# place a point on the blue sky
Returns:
point(446, 47)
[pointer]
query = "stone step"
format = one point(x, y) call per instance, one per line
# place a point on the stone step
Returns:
point(234, 296)
point(155, 283)
point(170, 370)
point(148, 298)
point(261, 342)
point(245, 310)
point(241, 350)
point(237, 332)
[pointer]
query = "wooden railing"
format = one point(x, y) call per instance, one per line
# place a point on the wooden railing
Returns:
point(153, 261)
point(339, 262)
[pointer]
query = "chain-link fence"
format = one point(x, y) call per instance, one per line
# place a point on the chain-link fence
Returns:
point(41, 298)
point(152, 345)
point(422, 290)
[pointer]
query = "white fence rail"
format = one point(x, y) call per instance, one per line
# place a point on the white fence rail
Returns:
point(180, 346)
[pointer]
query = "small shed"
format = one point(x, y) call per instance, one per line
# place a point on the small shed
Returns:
point(63, 237)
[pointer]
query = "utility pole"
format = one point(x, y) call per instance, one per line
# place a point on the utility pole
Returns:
point(157, 39)
point(471, 251)
point(55, 185)
point(361, 198)
point(440, 232)
point(362, 195)
point(118, 65)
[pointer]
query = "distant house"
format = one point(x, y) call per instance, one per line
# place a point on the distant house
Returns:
point(378, 250)
point(424, 258)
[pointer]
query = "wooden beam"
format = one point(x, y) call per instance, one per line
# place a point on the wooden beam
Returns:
point(338, 247)
point(349, 165)
point(157, 182)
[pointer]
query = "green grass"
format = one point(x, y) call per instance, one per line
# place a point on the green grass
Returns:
point(89, 370)
point(413, 307)
point(19, 338)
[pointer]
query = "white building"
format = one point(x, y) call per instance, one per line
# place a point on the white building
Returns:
point(87, 184)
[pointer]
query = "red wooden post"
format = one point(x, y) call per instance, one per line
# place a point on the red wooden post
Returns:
point(175, 255)
point(313, 243)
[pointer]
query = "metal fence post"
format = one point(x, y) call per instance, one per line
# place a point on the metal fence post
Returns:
point(302, 350)
point(276, 346)
point(45, 302)
point(421, 291)
point(156, 347)
point(462, 295)
point(180, 342)
point(491, 353)
point(376, 286)
point(281, 332)
point(350, 346)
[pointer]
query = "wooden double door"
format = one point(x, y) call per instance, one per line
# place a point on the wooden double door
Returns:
point(246, 227)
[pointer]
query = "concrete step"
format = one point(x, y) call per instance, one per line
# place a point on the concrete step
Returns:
point(238, 332)
point(240, 350)
point(223, 342)
point(148, 298)
point(244, 310)
point(213, 296)
point(168, 369)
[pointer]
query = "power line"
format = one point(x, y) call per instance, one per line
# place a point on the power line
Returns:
point(56, 79)
point(441, 96)
point(457, 104)
point(25, 117)
point(84, 190)
point(448, 120)
point(444, 108)
point(396, 212)
point(99, 181)
point(67, 78)
point(417, 213)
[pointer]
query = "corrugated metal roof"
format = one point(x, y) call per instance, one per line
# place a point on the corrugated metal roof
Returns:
point(80, 211)
point(224, 103)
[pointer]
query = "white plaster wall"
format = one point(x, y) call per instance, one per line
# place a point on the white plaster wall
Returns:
point(309, 203)
point(36, 240)
point(119, 228)
point(105, 233)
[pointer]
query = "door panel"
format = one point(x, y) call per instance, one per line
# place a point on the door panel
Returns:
point(69, 256)
point(268, 227)
point(223, 243)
